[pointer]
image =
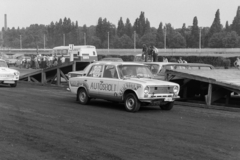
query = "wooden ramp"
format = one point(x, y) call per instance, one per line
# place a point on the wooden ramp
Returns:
point(54, 75)
point(212, 86)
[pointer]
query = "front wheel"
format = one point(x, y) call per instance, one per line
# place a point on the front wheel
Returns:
point(83, 97)
point(132, 103)
point(167, 106)
point(14, 84)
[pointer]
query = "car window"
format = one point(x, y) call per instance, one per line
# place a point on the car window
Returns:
point(110, 72)
point(3, 64)
point(95, 71)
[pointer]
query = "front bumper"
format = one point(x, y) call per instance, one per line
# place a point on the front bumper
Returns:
point(160, 98)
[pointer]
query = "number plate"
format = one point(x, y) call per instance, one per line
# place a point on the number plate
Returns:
point(169, 99)
point(12, 82)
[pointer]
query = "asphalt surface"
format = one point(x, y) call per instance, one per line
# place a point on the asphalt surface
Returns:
point(42, 122)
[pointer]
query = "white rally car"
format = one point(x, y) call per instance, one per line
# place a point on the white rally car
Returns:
point(7, 75)
point(126, 82)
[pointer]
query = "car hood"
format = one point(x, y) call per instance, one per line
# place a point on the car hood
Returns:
point(149, 82)
point(77, 72)
point(4, 70)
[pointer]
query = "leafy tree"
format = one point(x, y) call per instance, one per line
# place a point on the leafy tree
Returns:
point(177, 41)
point(230, 40)
point(160, 37)
point(140, 24)
point(128, 28)
point(216, 26)
point(148, 39)
point(227, 28)
point(216, 40)
point(194, 34)
point(126, 42)
point(147, 27)
point(120, 28)
point(236, 22)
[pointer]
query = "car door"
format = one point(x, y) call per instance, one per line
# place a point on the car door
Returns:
point(93, 80)
point(109, 83)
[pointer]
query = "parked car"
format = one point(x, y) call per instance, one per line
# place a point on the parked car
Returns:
point(158, 69)
point(112, 59)
point(127, 82)
point(7, 75)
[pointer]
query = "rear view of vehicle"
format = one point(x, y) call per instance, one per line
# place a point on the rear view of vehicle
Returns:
point(7, 75)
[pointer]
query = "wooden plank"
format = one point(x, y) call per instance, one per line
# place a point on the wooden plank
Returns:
point(43, 77)
point(52, 79)
point(74, 66)
point(63, 75)
point(34, 80)
point(208, 97)
point(58, 77)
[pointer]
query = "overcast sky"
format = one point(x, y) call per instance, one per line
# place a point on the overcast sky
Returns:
point(23, 13)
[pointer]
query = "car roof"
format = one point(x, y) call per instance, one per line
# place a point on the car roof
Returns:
point(117, 63)
point(180, 64)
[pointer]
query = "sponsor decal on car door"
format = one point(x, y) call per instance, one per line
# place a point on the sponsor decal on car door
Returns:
point(108, 85)
point(93, 78)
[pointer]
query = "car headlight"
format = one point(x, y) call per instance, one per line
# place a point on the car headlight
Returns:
point(146, 90)
point(175, 89)
point(16, 73)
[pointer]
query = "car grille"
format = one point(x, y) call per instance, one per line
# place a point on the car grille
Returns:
point(6, 76)
point(161, 90)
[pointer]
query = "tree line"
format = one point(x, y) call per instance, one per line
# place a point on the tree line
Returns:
point(125, 34)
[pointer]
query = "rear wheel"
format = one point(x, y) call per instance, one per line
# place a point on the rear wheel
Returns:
point(132, 103)
point(167, 106)
point(14, 85)
point(82, 96)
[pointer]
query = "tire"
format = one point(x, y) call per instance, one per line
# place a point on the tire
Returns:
point(167, 106)
point(83, 96)
point(13, 85)
point(132, 103)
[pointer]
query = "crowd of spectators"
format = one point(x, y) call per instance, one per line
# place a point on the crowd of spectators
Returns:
point(40, 61)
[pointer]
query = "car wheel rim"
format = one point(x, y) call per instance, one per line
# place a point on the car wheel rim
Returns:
point(82, 96)
point(130, 103)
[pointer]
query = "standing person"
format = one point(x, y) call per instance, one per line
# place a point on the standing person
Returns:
point(165, 59)
point(237, 63)
point(62, 59)
point(155, 55)
point(36, 62)
point(144, 52)
point(180, 60)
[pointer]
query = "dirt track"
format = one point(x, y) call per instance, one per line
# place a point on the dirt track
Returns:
point(39, 123)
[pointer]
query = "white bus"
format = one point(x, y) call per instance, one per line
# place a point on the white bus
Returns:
point(83, 52)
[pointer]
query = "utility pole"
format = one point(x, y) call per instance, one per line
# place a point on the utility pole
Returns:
point(108, 41)
point(64, 39)
point(134, 41)
point(200, 38)
point(20, 41)
point(84, 38)
point(165, 37)
point(44, 41)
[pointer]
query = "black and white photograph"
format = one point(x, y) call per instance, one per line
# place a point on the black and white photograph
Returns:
point(119, 80)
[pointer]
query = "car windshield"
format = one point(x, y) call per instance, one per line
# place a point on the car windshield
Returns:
point(134, 71)
point(153, 68)
point(3, 64)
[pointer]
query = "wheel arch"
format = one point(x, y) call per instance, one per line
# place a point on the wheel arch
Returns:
point(81, 87)
point(128, 91)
